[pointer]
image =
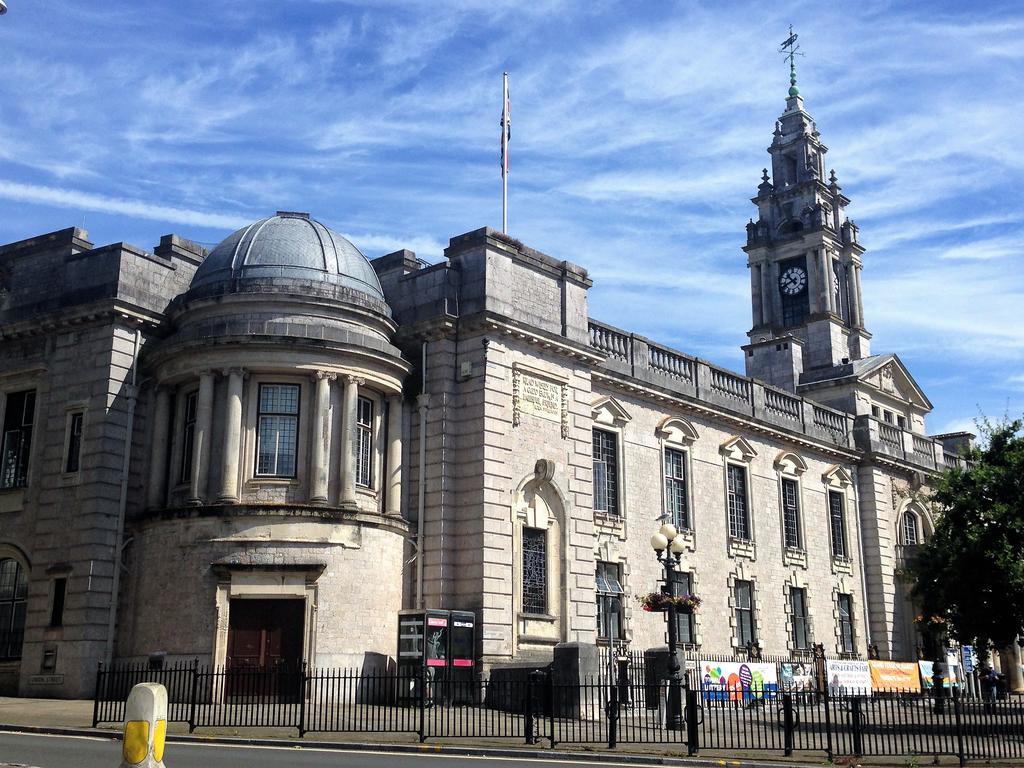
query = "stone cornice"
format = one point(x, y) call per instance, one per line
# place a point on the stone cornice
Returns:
point(292, 511)
point(96, 313)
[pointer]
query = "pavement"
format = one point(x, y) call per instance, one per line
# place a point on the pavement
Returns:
point(74, 718)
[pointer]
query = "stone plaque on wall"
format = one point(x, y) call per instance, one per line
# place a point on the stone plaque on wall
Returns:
point(540, 397)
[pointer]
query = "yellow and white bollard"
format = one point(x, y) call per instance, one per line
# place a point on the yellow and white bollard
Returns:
point(145, 727)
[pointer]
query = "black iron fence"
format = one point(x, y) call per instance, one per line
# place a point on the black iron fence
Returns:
point(598, 711)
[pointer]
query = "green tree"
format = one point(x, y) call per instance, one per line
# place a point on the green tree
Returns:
point(971, 571)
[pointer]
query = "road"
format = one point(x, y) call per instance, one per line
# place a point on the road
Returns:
point(89, 752)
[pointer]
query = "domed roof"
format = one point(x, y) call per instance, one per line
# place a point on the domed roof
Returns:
point(289, 245)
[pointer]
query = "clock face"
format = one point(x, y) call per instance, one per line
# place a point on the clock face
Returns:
point(793, 280)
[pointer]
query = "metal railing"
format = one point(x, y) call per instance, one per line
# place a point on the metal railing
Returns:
point(630, 709)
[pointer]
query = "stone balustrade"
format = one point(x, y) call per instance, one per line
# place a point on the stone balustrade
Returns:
point(689, 377)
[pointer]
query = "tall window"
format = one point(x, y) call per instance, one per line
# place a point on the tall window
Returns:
point(13, 588)
point(744, 599)
point(277, 430)
point(675, 488)
point(609, 601)
point(739, 519)
point(188, 435)
point(798, 611)
point(535, 570)
point(836, 524)
point(911, 529)
point(74, 454)
point(60, 588)
point(682, 584)
point(606, 464)
point(845, 623)
point(364, 442)
point(18, 417)
point(791, 513)
point(836, 283)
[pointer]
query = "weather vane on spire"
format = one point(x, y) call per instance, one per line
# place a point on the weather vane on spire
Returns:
point(790, 50)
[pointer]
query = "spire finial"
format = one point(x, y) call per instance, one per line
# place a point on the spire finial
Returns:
point(791, 50)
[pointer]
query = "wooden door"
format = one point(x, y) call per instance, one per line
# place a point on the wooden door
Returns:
point(264, 647)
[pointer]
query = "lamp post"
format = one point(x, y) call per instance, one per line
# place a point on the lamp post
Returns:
point(668, 548)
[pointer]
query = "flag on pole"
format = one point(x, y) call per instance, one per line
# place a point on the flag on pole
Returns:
point(506, 127)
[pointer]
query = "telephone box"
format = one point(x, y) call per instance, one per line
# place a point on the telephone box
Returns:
point(443, 645)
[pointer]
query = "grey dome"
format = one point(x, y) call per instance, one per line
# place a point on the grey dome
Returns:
point(288, 246)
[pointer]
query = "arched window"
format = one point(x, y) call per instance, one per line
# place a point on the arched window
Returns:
point(911, 528)
point(13, 587)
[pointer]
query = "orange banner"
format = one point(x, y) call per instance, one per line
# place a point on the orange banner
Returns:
point(894, 676)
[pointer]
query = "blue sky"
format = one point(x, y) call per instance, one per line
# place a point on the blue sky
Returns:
point(639, 133)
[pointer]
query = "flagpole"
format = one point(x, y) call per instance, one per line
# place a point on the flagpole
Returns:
point(504, 152)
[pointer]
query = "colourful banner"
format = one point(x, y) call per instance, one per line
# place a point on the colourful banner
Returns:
point(735, 681)
point(797, 677)
point(952, 676)
point(894, 676)
point(848, 677)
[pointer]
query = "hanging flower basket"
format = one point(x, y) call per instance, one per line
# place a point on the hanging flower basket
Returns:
point(656, 602)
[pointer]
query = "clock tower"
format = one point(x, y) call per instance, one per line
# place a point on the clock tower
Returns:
point(804, 260)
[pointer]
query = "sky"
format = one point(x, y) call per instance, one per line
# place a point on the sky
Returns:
point(639, 132)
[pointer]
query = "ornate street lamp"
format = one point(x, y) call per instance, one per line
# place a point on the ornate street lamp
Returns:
point(667, 539)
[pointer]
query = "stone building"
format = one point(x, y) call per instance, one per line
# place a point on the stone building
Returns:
point(262, 453)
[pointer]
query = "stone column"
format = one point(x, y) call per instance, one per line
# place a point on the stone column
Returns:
point(825, 281)
point(857, 297)
point(755, 294)
point(851, 295)
point(157, 491)
point(320, 474)
point(350, 399)
point(1011, 668)
point(201, 440)
point(830, 288)
point(394, 486)
point(232, 436)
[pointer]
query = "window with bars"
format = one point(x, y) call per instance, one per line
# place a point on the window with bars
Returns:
point(13, 590)
point(19, 416)
point(837, 524)
point(364, 442)
point(845, 605)
point(609, 601)
point(739, 519)
point(743, 594)
point(675, 488)
point(188, 435)
point(686, 629)
point(277, 430)
point(73, 459)
point(911, 528)
point(798, 614)
point(791, 513)
point(535, 570)
point(606, 463)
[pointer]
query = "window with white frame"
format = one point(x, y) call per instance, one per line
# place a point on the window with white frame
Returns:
point(606, 467)
point(13, 591)
point(845, 606)
point(609, 601)
point(837, 524)
point(799, 620)
point(791, 513)
point(911, 528)
point(19, 416)
point(277, 430)
point(675, 488)
point(73, 453)
point(739, 515)
point(188, 435)
point(535, 570)
point(364, 442)
point(743, 597)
